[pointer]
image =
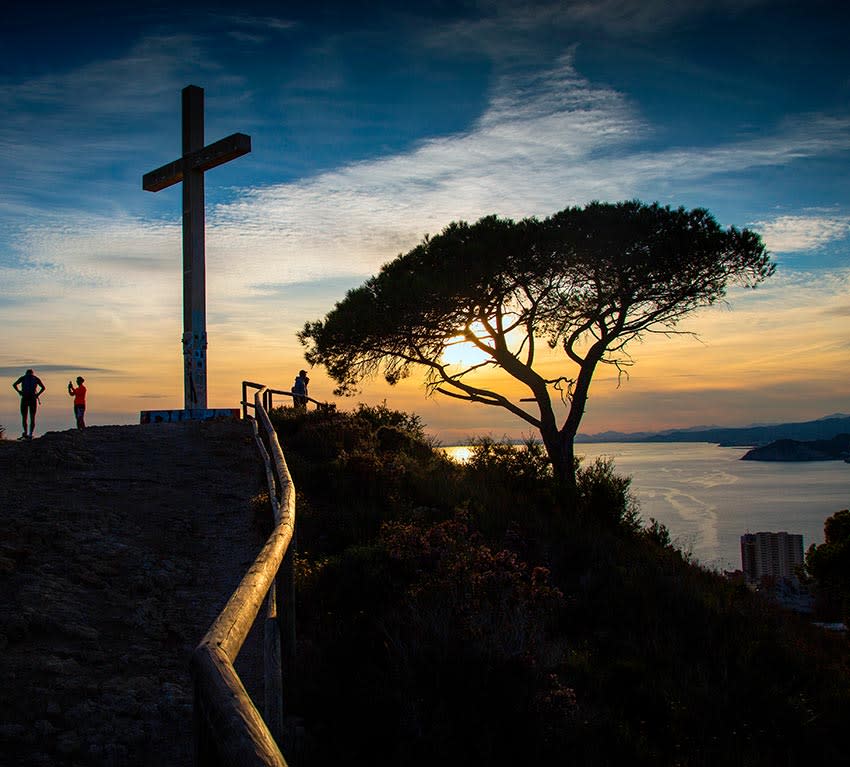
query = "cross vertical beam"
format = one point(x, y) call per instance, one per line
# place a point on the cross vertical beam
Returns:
point(190, 169)
point(194, 257)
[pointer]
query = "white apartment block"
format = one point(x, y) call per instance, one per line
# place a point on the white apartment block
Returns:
point(771, 555)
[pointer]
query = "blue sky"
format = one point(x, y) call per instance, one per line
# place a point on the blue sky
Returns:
point(373, 124)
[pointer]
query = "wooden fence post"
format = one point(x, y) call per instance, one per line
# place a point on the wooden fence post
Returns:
point(203, 742)
point(273, 709)
point(286, 584)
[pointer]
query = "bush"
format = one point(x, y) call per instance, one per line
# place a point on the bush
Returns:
point(473, 640)
point(657, 533)
point(828, 564)
point(506, 486)
point(453, 646)
point(526, 465)
point(515, 483)
point(381, 415)
point(484, 625)
point(604, 496)
point(359, 469)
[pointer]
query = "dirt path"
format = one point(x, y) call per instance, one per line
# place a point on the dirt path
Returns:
point(118, 546)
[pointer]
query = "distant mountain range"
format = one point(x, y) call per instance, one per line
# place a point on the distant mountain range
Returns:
point(822, 429)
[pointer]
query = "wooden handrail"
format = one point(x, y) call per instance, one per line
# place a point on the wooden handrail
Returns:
point(268, 398)
point(229, 729)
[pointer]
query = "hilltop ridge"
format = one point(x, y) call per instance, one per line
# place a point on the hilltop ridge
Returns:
point(488, 623)
point(804, 431)
point(118, 546)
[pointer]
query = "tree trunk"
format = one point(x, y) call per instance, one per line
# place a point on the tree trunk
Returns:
point(560, 443)
point(560, 449)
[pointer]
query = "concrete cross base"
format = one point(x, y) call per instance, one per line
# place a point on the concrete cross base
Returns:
point(176, 416)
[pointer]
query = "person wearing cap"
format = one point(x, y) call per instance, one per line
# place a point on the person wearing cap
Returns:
point(29, 386)
point(79, 395)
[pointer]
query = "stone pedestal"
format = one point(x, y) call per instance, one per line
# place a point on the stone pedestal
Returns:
point(177, 416)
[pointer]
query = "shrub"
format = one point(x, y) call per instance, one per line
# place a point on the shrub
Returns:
point(516, 483)
point(618, 651)
point(508, 485)
point(358, 469)
point(462, 586)
point(473, 648)
point(828, 564)
point(658, 533)
point(453, 646)
point(604, 496)
point(525, 465)
point(381, 415)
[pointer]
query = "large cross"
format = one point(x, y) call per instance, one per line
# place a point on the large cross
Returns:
point(189, 169)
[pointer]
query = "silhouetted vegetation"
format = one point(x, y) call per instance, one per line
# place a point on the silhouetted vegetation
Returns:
point(586, 281)
point(445, 613)
point(828, 564)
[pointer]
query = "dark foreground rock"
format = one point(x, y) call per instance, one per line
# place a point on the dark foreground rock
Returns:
point(118, 546)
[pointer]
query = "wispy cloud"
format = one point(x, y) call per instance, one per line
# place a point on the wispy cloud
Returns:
point(842, 310)
point(510, 32)
point(793, 234)
point(546, 141)
point(648, 17)
point(280, 254)
point(268, 24)
point(92, 121)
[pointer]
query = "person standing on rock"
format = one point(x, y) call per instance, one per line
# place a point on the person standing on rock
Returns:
point(79, 395)
point(29, 386)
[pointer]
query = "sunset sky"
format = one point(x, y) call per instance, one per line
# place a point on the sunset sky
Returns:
point(372, 126)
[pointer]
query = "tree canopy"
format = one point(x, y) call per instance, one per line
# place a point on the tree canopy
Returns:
point(586, 281)
point(829, 564)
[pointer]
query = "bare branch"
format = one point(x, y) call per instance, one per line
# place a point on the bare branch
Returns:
point(485, 397)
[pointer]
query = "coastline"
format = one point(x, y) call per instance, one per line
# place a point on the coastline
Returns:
point(708, 497)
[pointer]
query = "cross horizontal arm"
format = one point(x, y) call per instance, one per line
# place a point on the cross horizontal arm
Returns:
point(210, 156)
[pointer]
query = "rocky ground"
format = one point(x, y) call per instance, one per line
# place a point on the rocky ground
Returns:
point(118, 546)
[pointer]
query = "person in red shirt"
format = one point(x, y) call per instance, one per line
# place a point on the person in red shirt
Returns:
point(79, 395)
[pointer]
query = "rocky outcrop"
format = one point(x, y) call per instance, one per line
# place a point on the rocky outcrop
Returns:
point(834, 449)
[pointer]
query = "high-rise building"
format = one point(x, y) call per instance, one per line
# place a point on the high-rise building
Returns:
point(771, 555)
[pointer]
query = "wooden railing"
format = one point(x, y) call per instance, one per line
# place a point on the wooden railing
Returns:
point(228, 728)
point(268, 398)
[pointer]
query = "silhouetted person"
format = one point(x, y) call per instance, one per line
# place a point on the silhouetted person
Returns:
point(29, 386)
point(79, 395)
point(299, 390)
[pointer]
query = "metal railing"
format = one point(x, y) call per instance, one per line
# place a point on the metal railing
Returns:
point(228, 728)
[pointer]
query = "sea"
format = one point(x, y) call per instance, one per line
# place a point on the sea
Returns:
point(708, 497)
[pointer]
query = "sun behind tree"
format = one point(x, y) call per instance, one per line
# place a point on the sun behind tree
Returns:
point(586, 281)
